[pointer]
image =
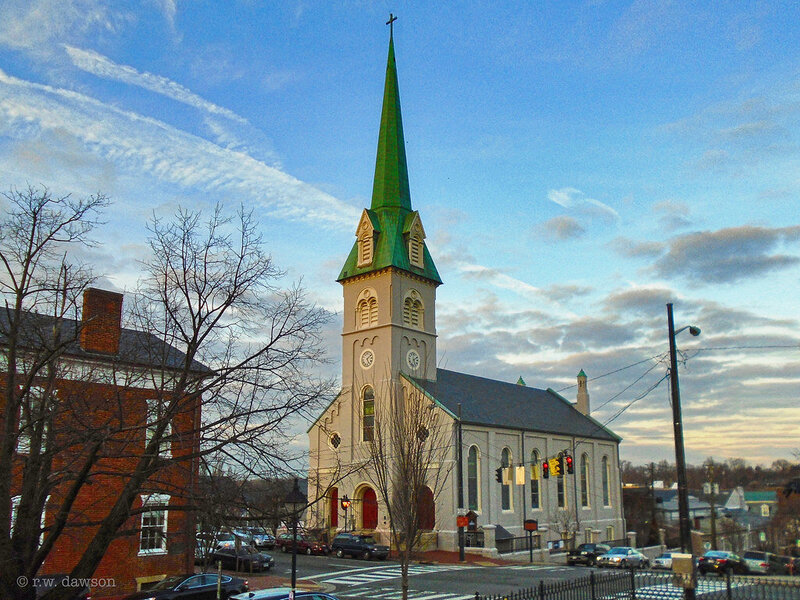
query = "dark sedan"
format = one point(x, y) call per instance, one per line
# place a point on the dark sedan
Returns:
point(586, 554)
point(716, 561)
point(195, 586)
point(305, 545)
point(245, 558)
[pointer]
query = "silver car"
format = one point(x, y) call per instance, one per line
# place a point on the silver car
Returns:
point(663, 562)
point(623, 557)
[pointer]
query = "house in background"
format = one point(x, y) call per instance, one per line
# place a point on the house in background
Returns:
point(109, 379)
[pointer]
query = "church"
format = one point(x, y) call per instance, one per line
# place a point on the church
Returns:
point(508, 431)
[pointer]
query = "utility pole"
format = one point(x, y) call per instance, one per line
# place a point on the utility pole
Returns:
point(713, 499)
point(680, 458)
point(677, 423)
point(460, 476)
point(653, 513)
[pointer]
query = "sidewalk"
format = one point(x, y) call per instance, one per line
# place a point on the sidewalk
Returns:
point(445, 557)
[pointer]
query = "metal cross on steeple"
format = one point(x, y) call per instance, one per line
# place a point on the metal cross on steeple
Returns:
point(390, 23)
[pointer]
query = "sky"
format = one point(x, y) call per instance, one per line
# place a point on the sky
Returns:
point(576, 165)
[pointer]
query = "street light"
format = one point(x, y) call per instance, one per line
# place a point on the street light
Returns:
point(680, 457)
point(345, 505)
point(294, 503)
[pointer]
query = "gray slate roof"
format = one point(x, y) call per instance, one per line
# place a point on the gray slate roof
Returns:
point(135, 347)
point(507, 405)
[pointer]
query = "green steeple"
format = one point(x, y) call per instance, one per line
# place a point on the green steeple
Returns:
point(390, 185)
point(390, 214)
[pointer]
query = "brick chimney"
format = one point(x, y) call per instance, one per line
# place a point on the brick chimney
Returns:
point(582, 399)
point(102, 319)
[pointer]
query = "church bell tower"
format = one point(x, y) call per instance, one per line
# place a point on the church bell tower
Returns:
point(389, 280)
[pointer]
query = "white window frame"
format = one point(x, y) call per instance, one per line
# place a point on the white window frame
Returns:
point(160, 502)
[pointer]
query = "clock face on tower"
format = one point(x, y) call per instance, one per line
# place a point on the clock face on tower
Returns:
point(412, 360)
point(367, 358)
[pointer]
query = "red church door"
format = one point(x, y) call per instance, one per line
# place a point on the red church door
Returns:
point(334, 494)
point(426, 509)
point(369, 509)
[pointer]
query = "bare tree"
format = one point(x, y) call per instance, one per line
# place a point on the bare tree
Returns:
point(566, 524)
point(409, 462)
point(214, 327)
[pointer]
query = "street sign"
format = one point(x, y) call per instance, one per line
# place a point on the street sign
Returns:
point(531, 525)
point(462, 521)
point(707, 545)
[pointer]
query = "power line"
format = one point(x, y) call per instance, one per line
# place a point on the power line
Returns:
point(657, 356)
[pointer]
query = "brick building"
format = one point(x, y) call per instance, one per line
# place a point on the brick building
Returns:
point(110, 386)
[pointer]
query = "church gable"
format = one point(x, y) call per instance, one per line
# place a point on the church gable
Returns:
point(414, 236)
point(366, 233)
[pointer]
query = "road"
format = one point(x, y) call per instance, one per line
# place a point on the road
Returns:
point(352, 579)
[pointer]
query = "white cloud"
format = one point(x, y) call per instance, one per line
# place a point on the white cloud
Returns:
point(97, 64)
point(575, 200)
point(36, 26)
point(136, 143)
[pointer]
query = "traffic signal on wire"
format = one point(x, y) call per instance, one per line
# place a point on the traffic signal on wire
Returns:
point(545, 470)
point(555, 466)
point(570, 465)
point(498, 474)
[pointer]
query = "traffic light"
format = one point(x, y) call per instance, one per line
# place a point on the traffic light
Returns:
point(555, 466)
point(545, 470)
point(498, 474)
point(570, 465)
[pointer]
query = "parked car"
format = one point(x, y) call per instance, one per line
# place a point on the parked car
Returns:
point(262, 538)
point(247, 558)
point(586, 554)
point(363, 546)
point(763, 563)
point(305, 545)
point(623, 557)
point(194, 586)
point(224, 538)
point(282, 594)
point(663, 561)
point(716, 561)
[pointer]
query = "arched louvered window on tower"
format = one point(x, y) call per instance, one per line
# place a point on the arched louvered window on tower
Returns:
point(415, 251)
point(413, 311)
point(365, 244)
point(367, 312)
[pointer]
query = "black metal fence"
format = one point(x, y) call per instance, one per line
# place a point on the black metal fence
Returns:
point(647, 585)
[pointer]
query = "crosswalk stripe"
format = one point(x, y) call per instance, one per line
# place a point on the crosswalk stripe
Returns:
point(359, 570)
